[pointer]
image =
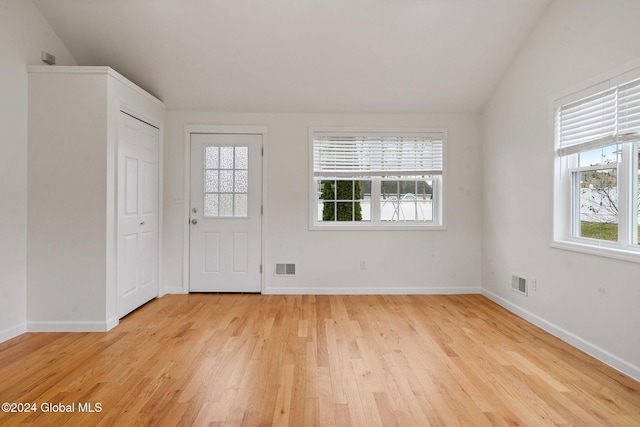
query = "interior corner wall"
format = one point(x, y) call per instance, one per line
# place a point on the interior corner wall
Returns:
point(24, 33)
point(590, 301)
point(400, 262)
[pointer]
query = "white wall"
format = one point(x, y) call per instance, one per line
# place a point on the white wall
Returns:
point(23, 35)
point(328, 261)
point(587, 300)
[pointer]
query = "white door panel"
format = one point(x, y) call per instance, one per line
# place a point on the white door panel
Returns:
point(226, 213)
point(137, 260)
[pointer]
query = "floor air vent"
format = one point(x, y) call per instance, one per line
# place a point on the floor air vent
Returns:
point(519, 284)
point(285, 269)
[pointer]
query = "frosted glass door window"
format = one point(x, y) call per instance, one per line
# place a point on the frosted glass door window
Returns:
point(226, 177)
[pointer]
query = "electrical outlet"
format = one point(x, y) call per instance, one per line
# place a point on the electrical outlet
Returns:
point(363, 265)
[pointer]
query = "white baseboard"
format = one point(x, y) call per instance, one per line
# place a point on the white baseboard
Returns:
point(112, 323)
point(13, 332)
point(568, 337)
point(175, 290)
point(373, 291)
point(70, 326)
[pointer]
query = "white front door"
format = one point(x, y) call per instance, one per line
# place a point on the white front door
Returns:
point(226, 213)
point(137, 258)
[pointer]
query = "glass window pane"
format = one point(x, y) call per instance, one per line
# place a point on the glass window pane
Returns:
point(406, 200)
point(240, 205)
point(241, 181)
point(365, 209)
point(365, 188)
point(424, 200)
point(226, 181)
point(389, 189)
point(344, 211)
point(226, 157)
point(598, 197)
point(389, 201)
point(211, 158)
point(407, 207)
point(344, 190)
point(327, 190)
point(364, 199)
point(226, 205)
point(600, 156)
point(326, 211)
point(211, 181)
point(210, 205)
point(242, 157)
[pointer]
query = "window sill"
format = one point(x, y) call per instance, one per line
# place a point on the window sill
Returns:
point(376, 227)
point(621, 254)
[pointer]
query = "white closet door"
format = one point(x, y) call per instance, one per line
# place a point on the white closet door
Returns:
point(137, 247)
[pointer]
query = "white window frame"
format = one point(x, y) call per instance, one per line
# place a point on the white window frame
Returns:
point(439, 184)
point(566, 204)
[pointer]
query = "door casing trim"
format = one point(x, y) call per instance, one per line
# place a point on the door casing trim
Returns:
point(222, 129)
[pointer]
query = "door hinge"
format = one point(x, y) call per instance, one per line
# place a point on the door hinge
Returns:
point(262, 151)
point(261, 209)
point(260, 268)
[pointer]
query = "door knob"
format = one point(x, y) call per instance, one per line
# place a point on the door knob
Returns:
point(194, 221)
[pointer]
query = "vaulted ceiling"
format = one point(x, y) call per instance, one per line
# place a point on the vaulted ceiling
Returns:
point(341, 56)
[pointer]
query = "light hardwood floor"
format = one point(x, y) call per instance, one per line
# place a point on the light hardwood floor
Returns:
point(232, 360)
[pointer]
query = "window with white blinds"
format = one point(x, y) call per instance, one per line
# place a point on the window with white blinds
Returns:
point(598, 160)
point(601, 119)
point(376, 179)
